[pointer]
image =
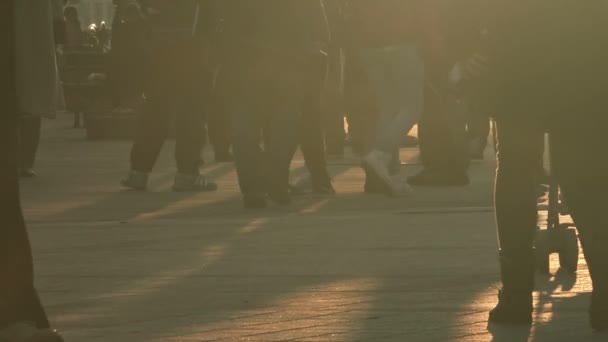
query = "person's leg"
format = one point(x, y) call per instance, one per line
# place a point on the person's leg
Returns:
point(29, 140)
point(478, 129)
point(397, 77)
point(443, 147)
point(516, 218)
point(284, 101)
point(333, 103)
point(578, 161)
point(18, 298)
point(241, 93)
point(311, 131)
point(154, 121)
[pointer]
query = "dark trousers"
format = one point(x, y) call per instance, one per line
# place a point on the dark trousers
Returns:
point(263, 95)
point(174, 89)
point(312, 143)
point(218, 126)
point(18, 299)
point(359, 103)
point(29, 139)
point(580, 166)
point(441, 146)
point(478, 123)
point(333, 104)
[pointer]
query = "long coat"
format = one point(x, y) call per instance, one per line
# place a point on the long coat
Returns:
point(38, 88)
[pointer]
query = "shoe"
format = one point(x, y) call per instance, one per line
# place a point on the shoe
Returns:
point(185, 183)
point(376, 163)
point(27, 173)
point(427, 177)
point(136, 180)
point(28, 332)
point(254, 201)
point(512, 309)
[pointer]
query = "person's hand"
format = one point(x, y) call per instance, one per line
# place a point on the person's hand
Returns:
point(475, 66)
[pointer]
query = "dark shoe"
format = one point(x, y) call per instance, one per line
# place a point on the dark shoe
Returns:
point(427, 177)
point(515, 298)
point(27, 332)
point(257, 201)
point(280, 197)
point(598, 313)
point(512, 309)
point(27, 173)
point(136, 180)
point(184, 183)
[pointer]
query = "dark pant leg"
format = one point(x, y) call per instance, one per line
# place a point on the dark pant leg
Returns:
point(189, 120)
point(218, 125)
point(154, 120)
point(333, 103)
point(311, 130)
point(29, 139)
point(579, 162)
point(18, 299)
point(441, 148)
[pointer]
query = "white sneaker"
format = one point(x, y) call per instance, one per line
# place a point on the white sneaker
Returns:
point(377, 162)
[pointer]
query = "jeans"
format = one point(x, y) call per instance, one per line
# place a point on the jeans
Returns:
point(263, 97)
point(396, 74)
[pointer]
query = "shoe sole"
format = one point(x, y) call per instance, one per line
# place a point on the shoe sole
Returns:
point(129, 186)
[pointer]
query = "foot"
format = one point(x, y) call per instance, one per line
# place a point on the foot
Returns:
point(136, 180)
point(427, 177)
point(27, 173)
point(254, 201)
point(376, 164)
point(28, 332)
point(193, 183)
point(598, 313)
point(512, 309)
point(323, 189)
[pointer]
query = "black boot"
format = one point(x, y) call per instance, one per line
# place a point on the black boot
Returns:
point(515, 298)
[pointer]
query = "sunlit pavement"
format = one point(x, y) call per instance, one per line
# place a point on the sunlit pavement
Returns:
point(115, 265)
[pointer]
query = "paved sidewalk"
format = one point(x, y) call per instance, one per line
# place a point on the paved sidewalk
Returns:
point(115, 265)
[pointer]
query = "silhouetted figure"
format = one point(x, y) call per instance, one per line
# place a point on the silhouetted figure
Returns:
point(73, 36)
point(22, 317)
point(548, 74)
point(175, 65)
point(266, 51)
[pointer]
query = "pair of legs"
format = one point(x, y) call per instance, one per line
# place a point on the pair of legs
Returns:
point(396, 75)
point(173, 90)
point(578, 163)
point(263, 94)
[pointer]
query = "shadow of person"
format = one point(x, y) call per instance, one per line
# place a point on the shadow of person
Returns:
point(506, 333)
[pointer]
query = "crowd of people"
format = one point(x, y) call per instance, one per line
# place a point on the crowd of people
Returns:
point(268, 76)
